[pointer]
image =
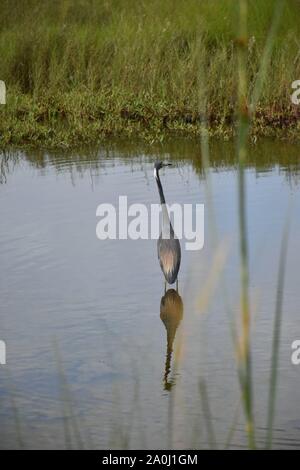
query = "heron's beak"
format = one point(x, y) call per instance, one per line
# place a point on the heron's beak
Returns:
point(168, 164)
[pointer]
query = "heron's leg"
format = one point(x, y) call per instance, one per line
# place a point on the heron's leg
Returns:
point(177, 285)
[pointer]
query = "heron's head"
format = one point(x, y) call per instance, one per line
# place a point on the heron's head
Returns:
point(158, 166)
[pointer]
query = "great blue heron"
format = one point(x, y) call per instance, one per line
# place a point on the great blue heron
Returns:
point(168, 246)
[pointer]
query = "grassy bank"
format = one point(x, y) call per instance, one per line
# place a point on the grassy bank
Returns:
point(78, 71)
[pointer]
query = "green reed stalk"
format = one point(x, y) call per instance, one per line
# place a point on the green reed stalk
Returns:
point(69, 418)
point(245, 372)
point(276, 337)
point(245, 113)
point(205, 162)
point(16, 411)
point(244, 127)
point(207, 415)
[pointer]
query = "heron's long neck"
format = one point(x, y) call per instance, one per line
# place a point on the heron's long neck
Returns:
point(165, 215)
point(160, 189)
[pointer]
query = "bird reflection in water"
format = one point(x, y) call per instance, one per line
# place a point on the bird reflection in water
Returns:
point(171, 313)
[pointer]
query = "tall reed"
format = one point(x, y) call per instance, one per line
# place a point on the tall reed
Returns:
point(246, 110)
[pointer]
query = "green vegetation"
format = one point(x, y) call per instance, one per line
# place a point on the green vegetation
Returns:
point(79, 71)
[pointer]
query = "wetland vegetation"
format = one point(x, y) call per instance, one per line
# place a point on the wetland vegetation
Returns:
point(79, 72)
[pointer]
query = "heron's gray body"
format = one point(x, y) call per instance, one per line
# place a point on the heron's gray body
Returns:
point(168, 246)
point(169, 255)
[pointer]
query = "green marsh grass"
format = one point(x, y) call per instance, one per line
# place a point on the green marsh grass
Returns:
point(77, 72)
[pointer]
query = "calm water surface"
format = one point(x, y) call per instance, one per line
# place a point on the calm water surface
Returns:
point(88, 342)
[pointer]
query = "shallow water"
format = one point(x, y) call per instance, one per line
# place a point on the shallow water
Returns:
point(87, 359)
